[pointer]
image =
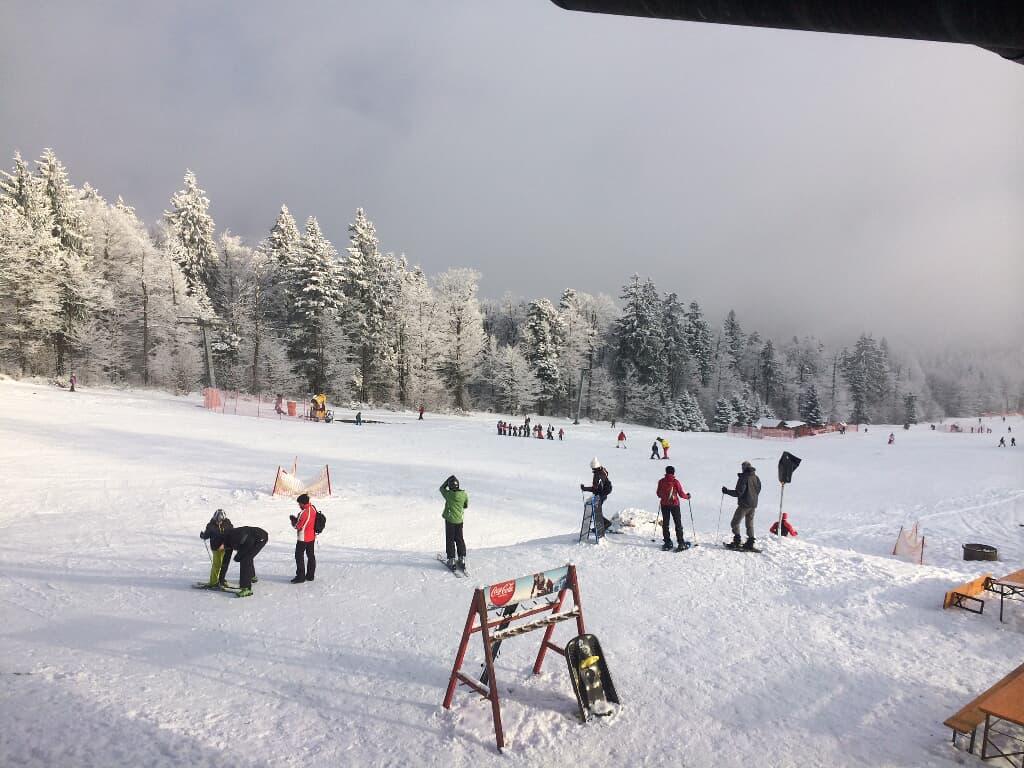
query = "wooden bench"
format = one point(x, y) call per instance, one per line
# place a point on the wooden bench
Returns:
point(967, 720)
point(966, 595)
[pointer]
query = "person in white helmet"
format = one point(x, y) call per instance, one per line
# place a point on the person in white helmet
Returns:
point(601, 487)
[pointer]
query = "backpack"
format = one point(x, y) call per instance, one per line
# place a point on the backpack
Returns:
point(320, 523)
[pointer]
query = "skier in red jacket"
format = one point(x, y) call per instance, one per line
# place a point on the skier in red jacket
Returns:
point(787, 529)
point(305, 527)
point(670, 491)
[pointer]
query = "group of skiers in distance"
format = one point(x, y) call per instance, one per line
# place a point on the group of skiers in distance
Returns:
point(659, 448)
point(525, 430)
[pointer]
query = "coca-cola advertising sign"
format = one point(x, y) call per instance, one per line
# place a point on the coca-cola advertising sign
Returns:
point(527, 587)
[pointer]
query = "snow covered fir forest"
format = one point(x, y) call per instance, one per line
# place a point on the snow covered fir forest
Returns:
point(88, 288)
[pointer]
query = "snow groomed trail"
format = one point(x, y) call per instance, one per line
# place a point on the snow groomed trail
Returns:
point(824, 650)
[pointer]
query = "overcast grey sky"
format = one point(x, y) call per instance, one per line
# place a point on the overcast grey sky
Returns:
point(816, 183)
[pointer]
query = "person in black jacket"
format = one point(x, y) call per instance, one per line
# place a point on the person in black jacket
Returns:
point(601, 487)
point(220, 558)
point(748, 486)
point(246, 541)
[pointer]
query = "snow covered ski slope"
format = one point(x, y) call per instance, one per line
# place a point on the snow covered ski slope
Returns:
point(823, 651)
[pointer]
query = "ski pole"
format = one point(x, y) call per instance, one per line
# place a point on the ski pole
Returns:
point(209, 554)
point(692, 524)
point(718, 530)
point(782, 492)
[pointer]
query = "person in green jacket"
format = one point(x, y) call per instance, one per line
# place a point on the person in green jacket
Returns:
point(455, 502)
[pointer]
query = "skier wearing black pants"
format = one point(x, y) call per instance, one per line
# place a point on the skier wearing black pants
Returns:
point(305, 527)
point(456, 502)
point(669, 493)
point(247, 541)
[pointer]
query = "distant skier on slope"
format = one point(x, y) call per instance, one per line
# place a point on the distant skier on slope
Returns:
point(621, 442)
point(670, 491)
point(664, 447)
point(748, 486)
point(656, 448)
point(456, 501)
point(601, 487)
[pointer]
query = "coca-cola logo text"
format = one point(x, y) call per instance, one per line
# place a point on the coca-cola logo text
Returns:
point(502, 593)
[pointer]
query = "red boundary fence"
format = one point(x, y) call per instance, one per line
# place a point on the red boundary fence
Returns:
point(778, 433)
point(259, 406)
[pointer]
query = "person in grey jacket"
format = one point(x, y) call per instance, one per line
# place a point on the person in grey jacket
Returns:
point(748, 486)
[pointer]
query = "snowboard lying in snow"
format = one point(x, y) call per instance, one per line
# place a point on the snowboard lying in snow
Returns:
point(591, 680)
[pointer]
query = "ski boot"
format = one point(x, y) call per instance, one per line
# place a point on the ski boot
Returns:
point(450, 562)
point(254, 578)
point(244, 592)
point(461, 564)
point(683, 546)
point(297, 580)
point(749, 544)
point(736, 542)
point(666, 547)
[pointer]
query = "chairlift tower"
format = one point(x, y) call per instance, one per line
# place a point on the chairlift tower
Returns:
point(204, 324)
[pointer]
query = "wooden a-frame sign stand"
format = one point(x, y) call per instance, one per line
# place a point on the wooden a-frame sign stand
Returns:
point(494, 631)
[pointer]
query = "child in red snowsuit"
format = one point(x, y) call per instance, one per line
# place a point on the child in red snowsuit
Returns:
point(787, 529)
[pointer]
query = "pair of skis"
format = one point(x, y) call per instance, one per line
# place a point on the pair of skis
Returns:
point(689, 545)
point(216, 587)
point(740, 548)
point(459, 573)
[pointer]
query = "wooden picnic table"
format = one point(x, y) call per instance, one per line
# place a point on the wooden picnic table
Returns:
point(1009, 586)
point(1006, 705)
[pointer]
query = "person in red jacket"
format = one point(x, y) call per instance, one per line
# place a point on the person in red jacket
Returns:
point(787, 529)
point(621, 443)
point(670, 491)
point(305, 527)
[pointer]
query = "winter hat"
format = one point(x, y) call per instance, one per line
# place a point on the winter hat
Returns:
point(670, 470)
point(594, 463)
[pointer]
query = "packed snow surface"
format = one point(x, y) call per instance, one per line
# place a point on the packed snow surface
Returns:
point(825, 650)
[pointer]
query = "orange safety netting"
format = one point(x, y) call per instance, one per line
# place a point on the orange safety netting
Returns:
point(288, 483)
point(910, 544)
